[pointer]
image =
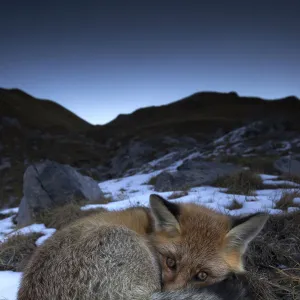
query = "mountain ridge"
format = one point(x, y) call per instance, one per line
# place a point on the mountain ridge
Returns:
point(35, 112)
point(33, 130)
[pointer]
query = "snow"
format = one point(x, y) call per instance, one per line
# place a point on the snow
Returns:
point(9, 283)
point(268, 177)
point(135, 191)
point(130, 186)
point(292, 209)
point(281, 182)
point(6, 226)
point(213, 197)
point(297, 200)
point(285, 146)
point(9, 211)
point(232, 137)
point(34, 228)
point(157, 161)
point(193, 155)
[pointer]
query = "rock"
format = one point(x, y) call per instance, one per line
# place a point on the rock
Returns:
point(99, 173)
point(24, 216)
point(166, 181)
point(4, 164)
point(193, 173)
point(50, 184)
point(288, 166)
point(131, 157)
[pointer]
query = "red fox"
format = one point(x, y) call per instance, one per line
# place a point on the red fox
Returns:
point(132, 254)
point(198, 246)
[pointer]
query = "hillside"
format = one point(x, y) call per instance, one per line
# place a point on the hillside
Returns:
point(200, 115)
point(32, 130)
point(38, 114)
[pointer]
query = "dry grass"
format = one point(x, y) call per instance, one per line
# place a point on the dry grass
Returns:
point(273, 259)
point(16, 251)
point(103, 200)
point(4, 216)
point(61, 216)
point(243, 182)
point(277, 186)
point(234, 205)
point(293, 178)
point(152, 180)
point(176, 195)
point(287, 200)
point(258, 164)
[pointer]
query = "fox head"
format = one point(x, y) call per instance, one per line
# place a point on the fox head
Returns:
point(198, 246)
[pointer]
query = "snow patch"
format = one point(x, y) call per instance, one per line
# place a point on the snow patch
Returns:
point(6, 226)
point(9, 284)
point(267, 177)
point(9, 211)
point(165, 157)
point(34, 228)
point(281, 182)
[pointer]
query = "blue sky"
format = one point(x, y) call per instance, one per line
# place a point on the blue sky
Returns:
point(103, 58)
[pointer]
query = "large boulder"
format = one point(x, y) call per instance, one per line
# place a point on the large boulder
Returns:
point(50, 184)
point(193, 173)
point(288, 165)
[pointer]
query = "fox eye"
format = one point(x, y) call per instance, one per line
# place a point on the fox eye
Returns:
point(201, 276)
point(171, 263)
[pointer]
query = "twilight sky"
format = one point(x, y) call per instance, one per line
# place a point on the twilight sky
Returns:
point(102, 58)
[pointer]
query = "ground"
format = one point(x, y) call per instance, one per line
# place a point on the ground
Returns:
point(135, 190)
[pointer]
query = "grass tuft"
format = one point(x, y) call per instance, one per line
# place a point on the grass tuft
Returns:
point(258, 164)
point(244, 183)
point(176, 195)
point(234, 205)
point(273, 258)
point(292, 178)
point(152, 180)
point(16, 251)
point(287, 200)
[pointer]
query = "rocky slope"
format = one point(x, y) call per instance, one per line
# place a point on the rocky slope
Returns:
point(213, 126)
point(32, 130)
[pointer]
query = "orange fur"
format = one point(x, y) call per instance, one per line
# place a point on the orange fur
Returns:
point(199, 245)
point(136, 219)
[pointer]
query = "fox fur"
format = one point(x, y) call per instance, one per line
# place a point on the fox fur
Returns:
point(232, 288)
point(141, 254)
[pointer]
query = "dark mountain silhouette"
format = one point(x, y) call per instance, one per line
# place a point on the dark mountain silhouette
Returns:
point(38, 113)
point(200, 115)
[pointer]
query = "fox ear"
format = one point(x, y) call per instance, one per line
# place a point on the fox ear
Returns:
point(165, 214)
point(244, 230)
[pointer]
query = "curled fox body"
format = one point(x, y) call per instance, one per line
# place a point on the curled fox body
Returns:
point(141, 254)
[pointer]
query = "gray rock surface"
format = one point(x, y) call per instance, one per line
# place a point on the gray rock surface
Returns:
point(166, 181)
point(193, 173)
point(50, 184)
point(288, 165)
point(130, 157)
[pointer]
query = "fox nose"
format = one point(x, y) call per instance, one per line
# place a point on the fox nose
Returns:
point(178, 283)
